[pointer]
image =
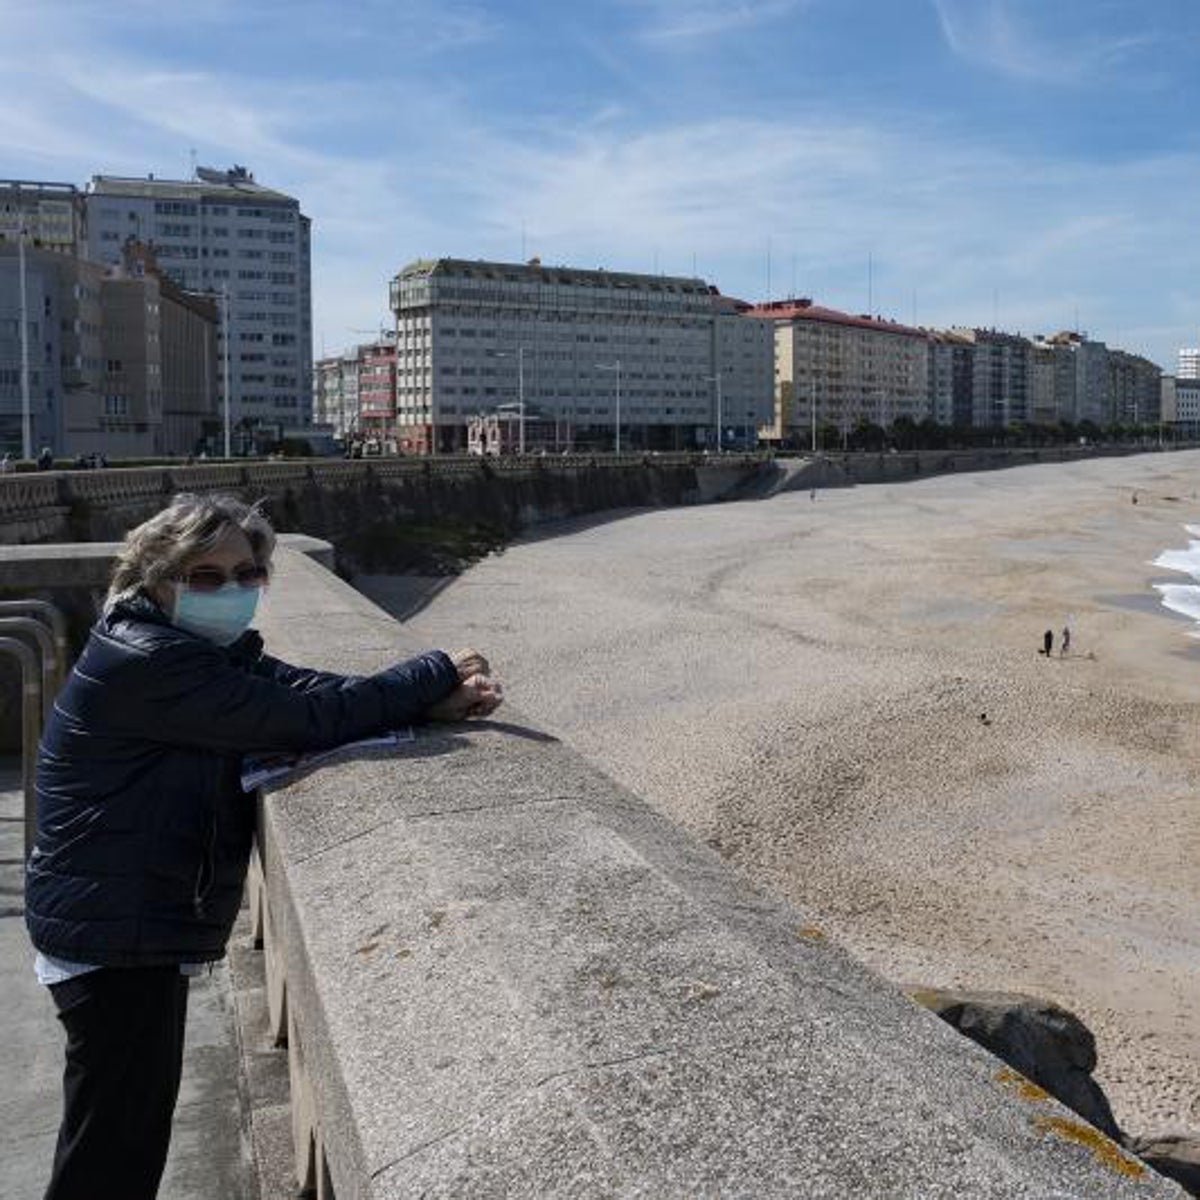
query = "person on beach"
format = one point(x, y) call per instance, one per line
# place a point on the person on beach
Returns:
point(1048, 642)
point(1065, 644)
point(143, 830)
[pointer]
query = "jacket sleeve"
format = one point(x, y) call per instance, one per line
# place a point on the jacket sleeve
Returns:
point(299, 679)
point(189, 693)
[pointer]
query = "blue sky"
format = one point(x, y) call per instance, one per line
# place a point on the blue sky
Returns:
point(1033, 163)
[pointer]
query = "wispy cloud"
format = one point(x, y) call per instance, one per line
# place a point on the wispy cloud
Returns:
point(996, 34)
point(675, 21)
point(417, 162)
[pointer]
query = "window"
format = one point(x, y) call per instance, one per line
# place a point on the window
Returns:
point(116, 406)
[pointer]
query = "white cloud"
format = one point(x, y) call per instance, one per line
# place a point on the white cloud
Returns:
point(994, 34)
point(673, 21)
point(974, 230)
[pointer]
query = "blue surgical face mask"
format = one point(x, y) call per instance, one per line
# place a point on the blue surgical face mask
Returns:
point(221, 616)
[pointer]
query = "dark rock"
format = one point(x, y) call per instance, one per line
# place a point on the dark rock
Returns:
point(1047, 1044)
point(1175, 1156)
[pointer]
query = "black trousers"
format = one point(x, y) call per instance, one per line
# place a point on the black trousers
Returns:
point(124, 1057)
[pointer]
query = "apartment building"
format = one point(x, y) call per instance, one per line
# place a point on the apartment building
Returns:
point(1187, 406)
point(849, 368)
point(160, 365)
point(612, 358)
point(951, 377)
point(1189, 363)
point(1001, 377)
point(376, 363)
point(222, 232)
point(1135, 388)
point(335, 394)
point(52, 215)
point(63, 347)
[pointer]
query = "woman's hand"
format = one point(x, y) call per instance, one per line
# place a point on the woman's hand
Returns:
point(474, 697)
point(469, 662)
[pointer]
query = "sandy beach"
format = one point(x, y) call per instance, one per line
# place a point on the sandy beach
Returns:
point(844, 698)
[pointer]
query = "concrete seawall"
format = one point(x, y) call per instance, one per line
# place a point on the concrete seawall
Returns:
point(347, 501)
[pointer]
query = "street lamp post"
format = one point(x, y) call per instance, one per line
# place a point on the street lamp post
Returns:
point(720, 417)
point(615, 366)
point(26, 407)
point(520, 357)
point(225, 365)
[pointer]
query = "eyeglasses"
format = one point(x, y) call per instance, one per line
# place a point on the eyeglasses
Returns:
point(212, 579)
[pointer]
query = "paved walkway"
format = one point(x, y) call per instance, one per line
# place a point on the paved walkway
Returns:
point(209, 1154)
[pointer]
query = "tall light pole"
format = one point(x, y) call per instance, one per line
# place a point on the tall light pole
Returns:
point(720, 417)
point(26, 407)
point(520, 357)
point(615, 366)
point(812, 407)
point(225, 365)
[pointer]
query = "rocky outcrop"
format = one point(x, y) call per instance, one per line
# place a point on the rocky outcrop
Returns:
point(1047, 1044)
point(1054, 1049)
point(1176, 1157)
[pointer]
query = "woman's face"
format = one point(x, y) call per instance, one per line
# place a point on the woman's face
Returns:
point(231, 553)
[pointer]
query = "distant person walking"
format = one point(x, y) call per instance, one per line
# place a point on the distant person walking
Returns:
point(1065, 647)
point(1047, 643)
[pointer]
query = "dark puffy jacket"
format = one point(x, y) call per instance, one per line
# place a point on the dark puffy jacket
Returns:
point(143, 830)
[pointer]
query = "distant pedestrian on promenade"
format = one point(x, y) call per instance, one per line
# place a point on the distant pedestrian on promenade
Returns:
point(143, 830)
point(1065, 644)
point(1048, 643)
point(45, 459)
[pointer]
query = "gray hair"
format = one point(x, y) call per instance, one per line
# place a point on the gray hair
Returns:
point(189, 527)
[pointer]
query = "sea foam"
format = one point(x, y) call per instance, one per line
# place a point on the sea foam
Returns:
point(1182, 598)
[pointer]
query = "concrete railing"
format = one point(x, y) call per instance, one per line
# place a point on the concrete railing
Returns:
point(499, 973)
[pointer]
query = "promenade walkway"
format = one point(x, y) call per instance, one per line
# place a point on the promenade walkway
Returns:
point(208, 1158)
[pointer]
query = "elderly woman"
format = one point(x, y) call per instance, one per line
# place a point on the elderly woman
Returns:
point(143, 830)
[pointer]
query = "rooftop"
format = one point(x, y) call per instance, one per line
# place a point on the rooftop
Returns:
point(805, 310)
point(236, 182)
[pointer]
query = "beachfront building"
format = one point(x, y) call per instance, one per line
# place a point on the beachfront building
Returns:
point(951, 377)
point(610, 358)
point(832, 368)
point(335, 394)
point(377, 388)
point(1187, 407)
point(1083, 384)
point(223, 232)
point(1000, 382)
point(63, 350)
point(1189, 363)
point(159, 342)
point(51, 215)
point(1134, 387)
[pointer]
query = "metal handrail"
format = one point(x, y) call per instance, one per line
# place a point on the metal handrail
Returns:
point(49, 659)
point(31, 727)
point(54, 618)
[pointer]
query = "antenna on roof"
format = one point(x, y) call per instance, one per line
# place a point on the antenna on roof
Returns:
point(792, 296)
point(522, 239)
point(768, 268)
point(870, 283)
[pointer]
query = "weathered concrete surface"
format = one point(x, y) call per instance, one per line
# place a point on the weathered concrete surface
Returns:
point(507, 976)
point(209, 1157)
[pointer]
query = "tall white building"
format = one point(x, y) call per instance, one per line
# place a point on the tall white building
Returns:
point(650, 357)
point(223, 232)
point(1189, 363)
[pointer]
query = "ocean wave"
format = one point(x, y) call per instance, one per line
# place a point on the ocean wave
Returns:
point(1182, 598)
